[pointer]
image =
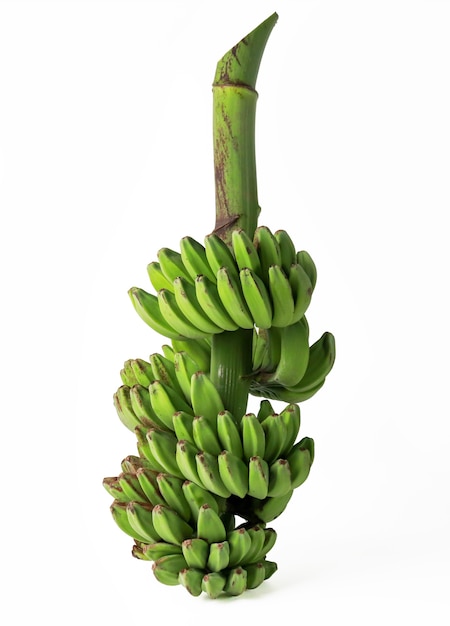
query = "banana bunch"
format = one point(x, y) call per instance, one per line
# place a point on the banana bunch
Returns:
point(208, 476)
point(187, 532)
point(207, 289)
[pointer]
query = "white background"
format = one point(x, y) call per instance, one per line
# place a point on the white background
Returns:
point(105, 156)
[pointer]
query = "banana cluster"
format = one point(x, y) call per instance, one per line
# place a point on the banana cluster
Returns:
point(206, 290)
point(187, 532)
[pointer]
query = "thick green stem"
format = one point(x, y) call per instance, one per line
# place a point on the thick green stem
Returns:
point(231, 362)
point(234, 108)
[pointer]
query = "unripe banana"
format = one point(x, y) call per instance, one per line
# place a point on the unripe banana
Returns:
point(282, 297)
point(120, 516)
point(209, 299)
point(155, 551)
point(240, 543)
point(208, 472)
point(133, 463)
point(213, 584)
point(268, 250)
point(253, 437)
point(197, 496)
point(187, 302)
point(177, 320)
point(236, 582)
point(122, 404)
point(219, 255)
point(185, 368)
point(165, 402)
point(157, 277)
point(234, 473)
point(149, 485)
point(171, 489)
point(164, 370)
point(287, 249)
point(300, 463)
point(142, 407)
point(209, 525)
point(275, 433)
point(271, 508)
point(172, 264)
point(127, 375)
point(270, 568)
point(260, 349)
point(245, 252)
point(301, 289)
point(219, 556)
point(182, 425)
point(168, 352)
point(205, 398)
point(131, 488)
point(144, 450)
point(111, 484)
point(265, 409)
point(196, 552)
point(322, 355)
point(163, 447)
point(167, 569)
point(191, 579)
point(185, 457)
point(170, 526)
point(193, 255)
point(230, 293)
point(279, 478)
point(291, 418)
point(140, 518)
point(258, 477)
point(304, 259)
point(294, 355)
point(199, 351)
point(258, 537)
point(142, 371)
point(228, 433)
point(257, 298)
point(205, 437)
point(256, 575)
point(147, 307)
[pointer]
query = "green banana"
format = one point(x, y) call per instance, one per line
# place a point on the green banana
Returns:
point(140, 517)
point(120, 516)
point(213, 584)
point(304, 259)
point(193, 255)
point(270, 508)
point(165, 402)
point(290, 415)
point(240, 543)
point(279, 478)
point(170, 526)
point(131, 488)
point(197, 496)
point(294, 355)
point(236, 582)
point(157, 277)
point(148, 482)
point(147, 307)
point(183, 425)
point(172, 264)
point(219, 255)
point(205, 398)
point(178, 321)
point(142, 408)
point(205, 437)
point(322, 355)
point(122, 404)
point(185, 457)
point(199, 351)
point(287, 249)
point(208, 472)
point(209, 525)
point(257, 298)
point(301, 287)
point(142, 371)
point(171, 489)
point(234, 473)
point(127, 375)
point(258, 538)
point(256, 575)
point(163, 369)
point(191, 579)
point(258, 477)
point(299, 460)
point(275, 434)
point(282, 297)
point(185, 368)
point(211, 303)
point(167, 568)
point(111, 484)
point(268, 250)
point(196, 552)
point(265, 409)
point(155, 551)
point(162, 445)
point(219, 556)
point(144, 450)
point(245, 252)
point(230, 293)
point(253, 437)
point(228, 434)
point(186, 299)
